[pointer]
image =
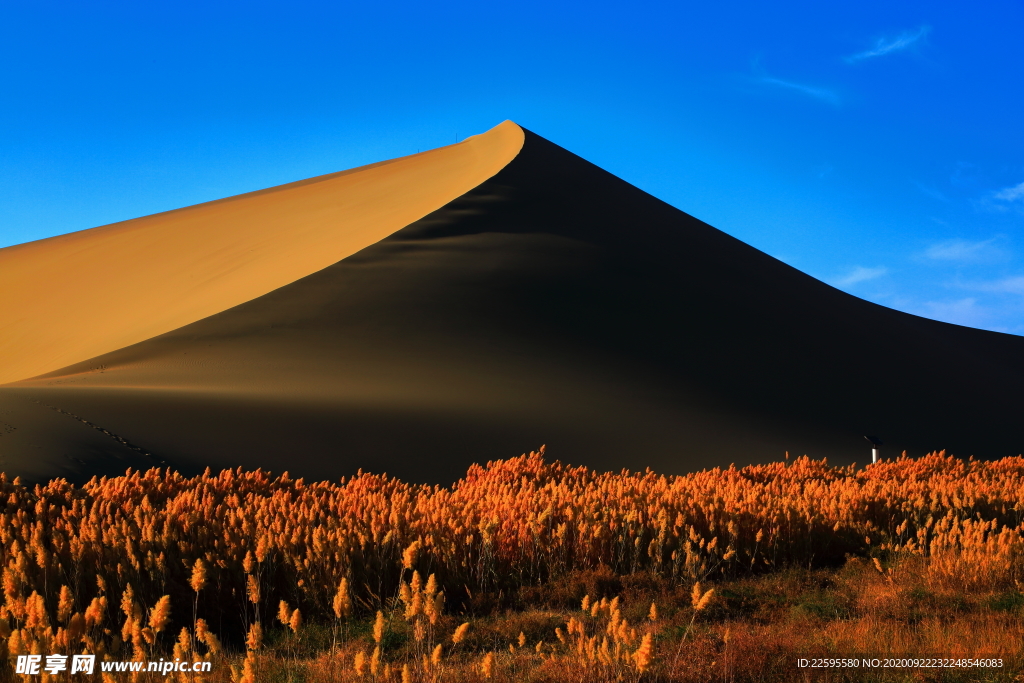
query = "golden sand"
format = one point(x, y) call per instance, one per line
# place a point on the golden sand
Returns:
point(69, 298)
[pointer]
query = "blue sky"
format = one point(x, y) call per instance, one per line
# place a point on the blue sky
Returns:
point(879, 148)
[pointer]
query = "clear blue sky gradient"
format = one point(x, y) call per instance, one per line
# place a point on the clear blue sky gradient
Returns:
point(877, 148)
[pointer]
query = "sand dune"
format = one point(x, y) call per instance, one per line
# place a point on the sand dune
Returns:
point(546, 302)
point(86, 293)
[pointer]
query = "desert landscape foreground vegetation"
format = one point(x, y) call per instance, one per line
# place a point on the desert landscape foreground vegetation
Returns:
point(526, 569)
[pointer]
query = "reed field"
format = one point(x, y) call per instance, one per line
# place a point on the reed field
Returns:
point(527, 569)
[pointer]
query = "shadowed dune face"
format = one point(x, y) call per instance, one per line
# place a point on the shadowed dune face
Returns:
point(551, 303)
point(87, 293)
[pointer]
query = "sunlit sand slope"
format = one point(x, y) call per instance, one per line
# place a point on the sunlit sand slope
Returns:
point(552, 303)
point(73, 297)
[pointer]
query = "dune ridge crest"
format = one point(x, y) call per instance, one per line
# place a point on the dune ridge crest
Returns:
point(77, 296)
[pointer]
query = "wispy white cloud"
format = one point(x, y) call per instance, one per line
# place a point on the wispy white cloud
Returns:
point(1008, 199)
point(860, 274)
point(986, 312)
point(1007, 285)
point(959, 312)
point(884, 46)
point(817, 93)
point(1011, 194)
point(968, 251)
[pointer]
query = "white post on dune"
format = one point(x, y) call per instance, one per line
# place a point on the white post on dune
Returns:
point(875, 444)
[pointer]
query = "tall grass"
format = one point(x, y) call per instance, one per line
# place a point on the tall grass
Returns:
point(153, 563)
